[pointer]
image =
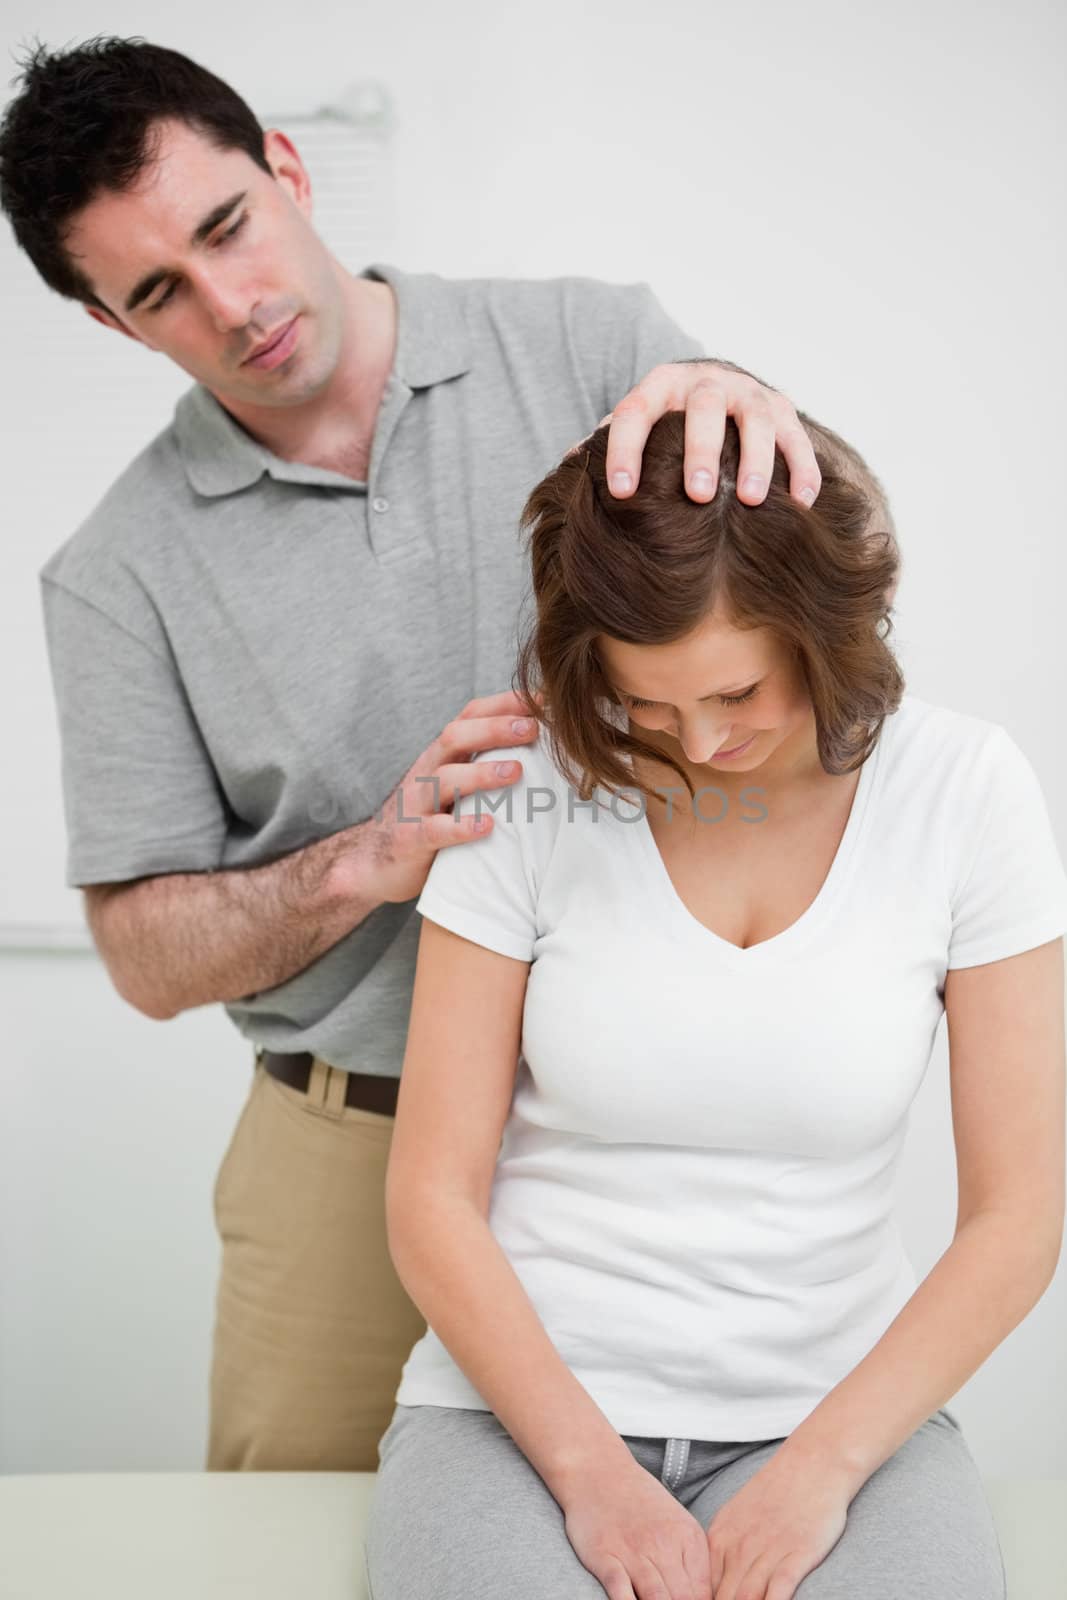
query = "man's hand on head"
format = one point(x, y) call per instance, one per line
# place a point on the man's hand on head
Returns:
point(709, 391)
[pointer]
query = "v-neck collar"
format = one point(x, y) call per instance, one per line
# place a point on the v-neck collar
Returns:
point(689, 928)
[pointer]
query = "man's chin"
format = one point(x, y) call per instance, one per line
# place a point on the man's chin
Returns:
point(286, 389)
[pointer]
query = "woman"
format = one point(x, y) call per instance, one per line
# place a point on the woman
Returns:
point(667, 1023)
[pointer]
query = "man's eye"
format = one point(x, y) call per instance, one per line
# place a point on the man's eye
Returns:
point(157, 304)
point(230, 231)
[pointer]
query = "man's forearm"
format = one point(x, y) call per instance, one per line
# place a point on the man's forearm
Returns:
point(191, 938)
point(460, 1279)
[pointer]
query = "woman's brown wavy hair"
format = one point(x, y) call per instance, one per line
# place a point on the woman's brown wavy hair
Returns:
point(648, 570)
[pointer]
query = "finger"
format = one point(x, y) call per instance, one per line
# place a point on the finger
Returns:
point(513, 722)
point(680, 1585)
point(717, 1563)
point(441, 828)
point(468, 734)
point(805, 479)
point(463, 737)
point(783, 1585)
point(743, 1576)
point(698, 1565)
point(757, 1575)
point(615, 1580)
point(499, 704)
point(631, 422)
point(454, 781)
point(650, 1581)
point(705, 429)
point(756, 424)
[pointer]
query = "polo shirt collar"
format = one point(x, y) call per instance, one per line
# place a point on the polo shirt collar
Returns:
point(432, 345)
point(432, 342)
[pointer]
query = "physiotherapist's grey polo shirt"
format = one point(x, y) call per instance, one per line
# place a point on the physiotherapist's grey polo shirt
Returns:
point(248, 653)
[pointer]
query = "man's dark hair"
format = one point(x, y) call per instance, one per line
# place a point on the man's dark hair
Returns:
point(83, 124)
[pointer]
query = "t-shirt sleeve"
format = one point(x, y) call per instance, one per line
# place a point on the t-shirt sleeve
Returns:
point(486, 888)
point(1012, 896)
point(140, 793)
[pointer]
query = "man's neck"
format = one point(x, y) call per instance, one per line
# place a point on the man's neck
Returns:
point(335, 429)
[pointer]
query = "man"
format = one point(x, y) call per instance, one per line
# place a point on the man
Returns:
point(293, 611)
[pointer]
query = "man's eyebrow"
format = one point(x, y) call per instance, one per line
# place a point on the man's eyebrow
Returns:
point(203, 230)
point(749, 683)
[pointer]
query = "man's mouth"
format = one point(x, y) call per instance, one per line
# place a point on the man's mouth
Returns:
point(269, 344)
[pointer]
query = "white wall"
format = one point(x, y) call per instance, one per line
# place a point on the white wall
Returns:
point(861, 204)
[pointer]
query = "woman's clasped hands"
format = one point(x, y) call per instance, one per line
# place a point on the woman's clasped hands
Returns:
point(641, 1543)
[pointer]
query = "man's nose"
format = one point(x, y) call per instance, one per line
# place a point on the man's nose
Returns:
point(230, 305)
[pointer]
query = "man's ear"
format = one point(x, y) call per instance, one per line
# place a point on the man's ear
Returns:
point(106, 320)
point(287, 167)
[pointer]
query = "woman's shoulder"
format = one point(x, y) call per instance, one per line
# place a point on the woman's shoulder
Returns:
point(971, 795)
point(536, 756)
point(533, 800)
point(941, 738)
point(956, 763)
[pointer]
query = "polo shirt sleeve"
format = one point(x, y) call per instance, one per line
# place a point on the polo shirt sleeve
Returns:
point(619, 332)
point(140, 794)
point(657, 338)
point(1012, 895)
point(486, 888)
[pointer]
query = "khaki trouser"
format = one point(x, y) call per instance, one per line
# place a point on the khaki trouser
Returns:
point(312, 1324)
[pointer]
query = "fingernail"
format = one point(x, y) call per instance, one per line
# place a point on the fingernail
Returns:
point(504, 769)
point(702, 481)
point(808, 496)
point(521, 725)
point(620, 482)
point(753, 484)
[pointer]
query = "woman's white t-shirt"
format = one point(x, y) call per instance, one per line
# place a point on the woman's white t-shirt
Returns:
point(695, 1180)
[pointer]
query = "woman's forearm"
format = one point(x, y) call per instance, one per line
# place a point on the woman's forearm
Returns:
point(990, 1277)
point(460, 1279)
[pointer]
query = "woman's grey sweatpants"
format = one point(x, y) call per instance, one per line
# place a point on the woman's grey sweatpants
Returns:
point(460, 1514)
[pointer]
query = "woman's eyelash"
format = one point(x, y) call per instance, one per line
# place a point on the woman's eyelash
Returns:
point(727, 700)
point(230, 231)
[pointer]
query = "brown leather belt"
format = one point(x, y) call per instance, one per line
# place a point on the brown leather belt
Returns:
point(364, 1090)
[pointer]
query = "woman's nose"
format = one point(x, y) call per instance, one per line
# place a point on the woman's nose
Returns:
point(700, 737)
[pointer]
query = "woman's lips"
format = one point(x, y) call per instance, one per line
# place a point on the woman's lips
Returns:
point(739, 749)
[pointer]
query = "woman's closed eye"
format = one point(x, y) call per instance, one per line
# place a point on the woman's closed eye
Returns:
point(724, 699)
